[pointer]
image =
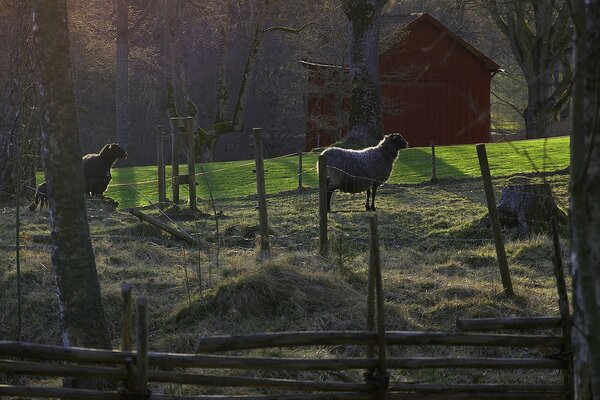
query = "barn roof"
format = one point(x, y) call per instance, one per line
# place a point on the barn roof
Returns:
point(395, 27)
point(409, 21)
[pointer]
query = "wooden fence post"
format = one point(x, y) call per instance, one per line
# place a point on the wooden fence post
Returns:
point(175, 159)
point(378, 378)
point(433, 173)
point(300, 172)
point(142, 345)
point(126, 319)
point(189, 130)
point(262, 196)
point(494, 220)
point(162, 192)
point(323, 246)
point(127, 333)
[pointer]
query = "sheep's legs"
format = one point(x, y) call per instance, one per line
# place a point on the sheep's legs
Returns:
point(367, 206)
point(373, 198)
point(329, 195)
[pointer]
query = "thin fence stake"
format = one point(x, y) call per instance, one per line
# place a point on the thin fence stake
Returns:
point(433, 173)
point(265, 248)
point(142, 345)
point(323, 246)
point(371, 302)
point(162, 193)
point(494, 220)
point(18, 247)
point(380, 377)
point(300, 172)
point(175, 160)
point(127, 333)
point(126, 318)
point(191, 152)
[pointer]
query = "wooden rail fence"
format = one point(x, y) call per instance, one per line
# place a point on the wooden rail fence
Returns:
point(133, 374)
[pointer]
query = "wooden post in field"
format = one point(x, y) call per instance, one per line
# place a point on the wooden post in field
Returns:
point(433, 173)
point(494, 220)
point(160, 163)
point(175, 159)
point(371, 301)
point(379, 378)
point(127, 314)
point(323, 246)
point(265, 248)
point(299, 172)
point(127, 333)
point(142, 345)
point(189, 130)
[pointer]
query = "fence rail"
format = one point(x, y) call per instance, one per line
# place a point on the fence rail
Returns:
point(132, 371)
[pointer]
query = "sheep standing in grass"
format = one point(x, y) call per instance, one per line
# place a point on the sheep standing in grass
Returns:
point(96, 168)
point(96, 173)
point(356, 171)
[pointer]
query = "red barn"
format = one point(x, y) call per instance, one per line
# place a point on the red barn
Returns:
point(435, 87)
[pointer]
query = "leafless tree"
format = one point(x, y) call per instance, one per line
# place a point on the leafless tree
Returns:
point(81, 310)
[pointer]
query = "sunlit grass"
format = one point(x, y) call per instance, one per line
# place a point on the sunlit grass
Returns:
point(137, 186)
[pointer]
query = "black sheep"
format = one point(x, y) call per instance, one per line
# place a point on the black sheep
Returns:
point(96, 168)
point(96, 173)
point(41, 196)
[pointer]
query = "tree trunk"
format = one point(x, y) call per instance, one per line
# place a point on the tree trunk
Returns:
point(529, 206)
point(123, 105)
point(80, 303)
point(539, 33)
point(365, 105)
point(255, 43)
point(585, 199)
point(19, 128)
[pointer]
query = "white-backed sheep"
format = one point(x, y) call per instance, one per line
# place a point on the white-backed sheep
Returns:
point(356, 171)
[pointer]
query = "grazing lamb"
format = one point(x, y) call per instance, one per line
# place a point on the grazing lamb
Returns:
point(96, 168)
point(356, 171)
point(96, 173)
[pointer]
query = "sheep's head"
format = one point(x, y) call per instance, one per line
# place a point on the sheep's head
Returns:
point(398, 141)
point(114, 151)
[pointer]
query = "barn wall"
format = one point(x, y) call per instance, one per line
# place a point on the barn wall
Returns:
point(440, 89)
point(433, 89)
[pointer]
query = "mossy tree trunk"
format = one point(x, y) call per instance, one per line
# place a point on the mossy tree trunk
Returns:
point(366, 125)
point(80, 303)
point(585, 199)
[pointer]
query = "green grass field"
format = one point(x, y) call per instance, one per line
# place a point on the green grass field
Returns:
point(438, 261)
point(137, 186)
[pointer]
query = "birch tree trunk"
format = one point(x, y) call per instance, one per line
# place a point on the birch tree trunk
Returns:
point(80, 303)
point(122, 100)
point(365, 105)
point(585, 199)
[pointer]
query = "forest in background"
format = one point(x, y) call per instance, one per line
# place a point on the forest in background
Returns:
point(205, 50)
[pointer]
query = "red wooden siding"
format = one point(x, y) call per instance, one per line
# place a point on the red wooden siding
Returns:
point(435, 87)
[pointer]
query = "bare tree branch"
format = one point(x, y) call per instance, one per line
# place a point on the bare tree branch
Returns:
point(288, 29)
